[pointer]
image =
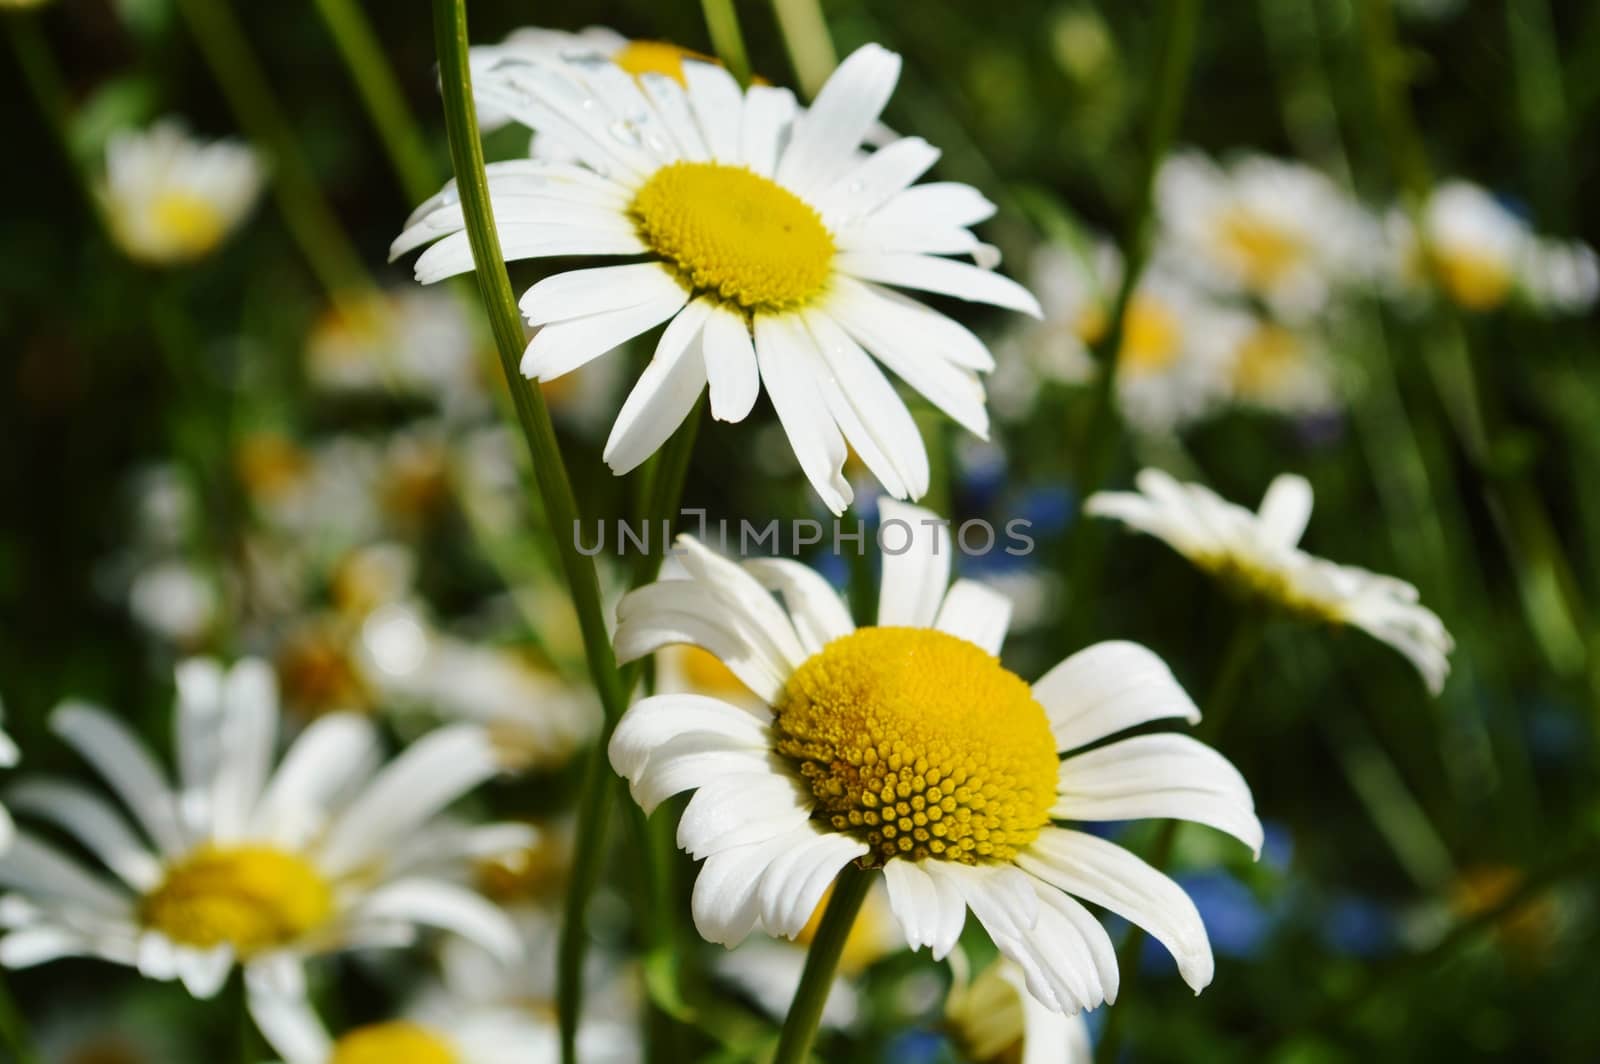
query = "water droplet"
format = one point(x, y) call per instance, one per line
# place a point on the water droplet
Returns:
point(626, 132)
point(987, 256)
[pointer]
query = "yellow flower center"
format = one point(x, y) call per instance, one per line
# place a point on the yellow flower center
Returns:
point(395, 1042)
point(1267, 355)
point(656, 57)
point(920, 744)
point(191, 225)
point(1150, 337)
point(986, 1018)
point(1477, 282)
point(704, 672)
point(734, 235)
point(1263, 250)
point(250, 897)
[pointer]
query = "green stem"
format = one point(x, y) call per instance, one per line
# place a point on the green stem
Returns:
point(311, 220)
point(810, 46)
point(1101, 440)
point(1219, 703)
point(822, 960)
point(380, 92)
point(466, 152)
point(722, 21)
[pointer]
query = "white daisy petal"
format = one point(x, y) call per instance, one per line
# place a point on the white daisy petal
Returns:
point(664, 394)
point(1107, 875)
point(581, 293)
point(948, 277)
point(688, 762)
point(756, 612)
point(672, 105)
point(124, 764)
point(660, 615)
point(737, 810)
point(951, 388)
point(558, 349)
point(657, 720)
point(794, 883)
point(730, 358)
point(917, 571)
point(873, 181)
point(248, 739)
point(433, 903)
point(939, 203)
point(430, 774)
point(876, 408)
point(453, 255)
point(828, 133)
point(819, 614)
point(768, 112)
point(333, 752)
point(1158, 776)
point(930, 910)
point(33, 867)
point(725, 902)
point(718, 108)
point(203, 972)
point(1108, 688)
point(784, 355)
point(1286, 509)
point(94, 823)
point(29, 947)
point(975, 613)
point(290, 1025)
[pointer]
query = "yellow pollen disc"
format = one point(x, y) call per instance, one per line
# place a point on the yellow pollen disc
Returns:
point(706, 673)
point(1150, 337)
point(1265, 357)
point(657, 57)
point(735, 235)
point(920, 744)
point(1477, 282)
point(396, 1042)
point(191, 225)
point(250, 897)
point(1263, 250)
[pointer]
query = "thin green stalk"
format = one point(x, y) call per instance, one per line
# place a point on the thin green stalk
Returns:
point(722, 21)
point(1101, 440)
point(466, 153)
point(810, 46)
point(822, 960)
point(380, 92)
point(1550, 599)
point(1219, 703)
point(312, 222)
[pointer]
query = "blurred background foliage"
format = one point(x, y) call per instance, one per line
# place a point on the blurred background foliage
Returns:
point(1428, 890)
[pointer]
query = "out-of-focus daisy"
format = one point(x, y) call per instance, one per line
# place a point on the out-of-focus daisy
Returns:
point(246, 865)
point(175, 600)
point(170, 198)
point(1258, 553)
point(907, 748)
point(456, 1035)
point(1076, 287)
point(767, 242)
point(1177, 353)
point(533, 718)
point(1481, 255)
point(769, 969)
point(1277, 230)
point(413, 341)
point(994, 1020)
point(1282, 369)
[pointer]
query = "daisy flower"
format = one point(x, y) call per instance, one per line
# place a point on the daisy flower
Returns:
point(994, 1020)
point(246, 865)
point(1480, 255)
point(1176, 355)
point(172, 199)
point(414, 341)
point(1258, 553)
point(907, 748)
point(1276, 230)
point(536, 43)
point(769, 969)
point(456, 1035)
point(1283, 370)
point(764, 240)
